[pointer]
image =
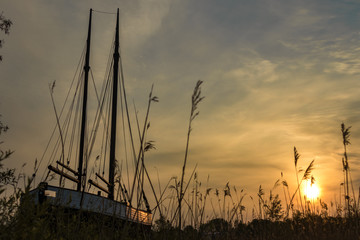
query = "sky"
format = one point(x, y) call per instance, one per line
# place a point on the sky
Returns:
point(277, 74)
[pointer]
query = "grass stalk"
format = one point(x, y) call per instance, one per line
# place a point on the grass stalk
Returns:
point(296, 158)
point(195, 100)
point(346, 141)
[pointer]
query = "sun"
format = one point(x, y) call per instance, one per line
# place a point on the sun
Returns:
point(311, 191)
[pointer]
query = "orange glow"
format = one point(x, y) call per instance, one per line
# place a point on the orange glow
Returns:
point(311, 191)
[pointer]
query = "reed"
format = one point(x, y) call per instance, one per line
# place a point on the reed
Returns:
point(271, 218)
point(296, 159)
point(196, 98)
point(351, 209)
point(306, 176)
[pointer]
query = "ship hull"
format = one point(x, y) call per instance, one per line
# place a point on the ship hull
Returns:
point(89, 203)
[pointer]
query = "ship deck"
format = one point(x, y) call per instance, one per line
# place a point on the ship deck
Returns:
point(88, 202)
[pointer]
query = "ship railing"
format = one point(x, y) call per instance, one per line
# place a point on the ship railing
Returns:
point(139, 216)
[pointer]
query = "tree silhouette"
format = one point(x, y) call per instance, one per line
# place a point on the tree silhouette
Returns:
point(5, 25)
point(6, 175)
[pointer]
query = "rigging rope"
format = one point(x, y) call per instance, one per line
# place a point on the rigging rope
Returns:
point(66, 124)
point(63, 107)
point(103, 12)
point(99, 115)
point(124, 134)
point(71, 130)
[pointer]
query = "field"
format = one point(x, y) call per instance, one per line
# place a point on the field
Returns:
point(188, 210)
point(23, 220)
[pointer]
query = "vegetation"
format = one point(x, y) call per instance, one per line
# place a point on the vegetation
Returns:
point(5, 25)
point(195, 100)
point(188, 209)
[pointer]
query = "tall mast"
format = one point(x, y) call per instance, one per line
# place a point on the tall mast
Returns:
point(84, 107)
point(114, 111)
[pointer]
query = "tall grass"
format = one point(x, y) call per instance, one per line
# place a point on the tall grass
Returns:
point(190, 209)
point(196, 98)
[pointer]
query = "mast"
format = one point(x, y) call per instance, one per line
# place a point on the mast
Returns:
point(84, 107)
point(114, 111)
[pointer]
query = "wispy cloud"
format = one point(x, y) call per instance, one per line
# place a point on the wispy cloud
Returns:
point(277, 74)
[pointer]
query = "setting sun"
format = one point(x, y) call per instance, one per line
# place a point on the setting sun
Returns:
point(311, 191)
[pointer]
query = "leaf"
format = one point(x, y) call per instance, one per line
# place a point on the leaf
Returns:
point(155, 99)
point(261, 191)
point(296, 156)
point(346, 134)
point(227, 190)
point(285, 183)
point(308, 170)
point(312, 180)
point(35, 165)
point(277, 183)
point(149, 145)
point(52, 86)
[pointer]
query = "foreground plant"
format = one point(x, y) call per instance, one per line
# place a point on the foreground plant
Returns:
point(306, 176)
point(196, 98)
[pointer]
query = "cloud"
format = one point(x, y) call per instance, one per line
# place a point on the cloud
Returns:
point(276, 75)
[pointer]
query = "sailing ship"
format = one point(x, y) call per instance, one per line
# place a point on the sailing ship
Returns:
point(107, 201)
